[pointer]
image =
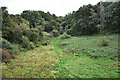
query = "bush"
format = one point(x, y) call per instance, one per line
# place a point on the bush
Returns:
point(45, 43)
point(46, 38)
point(46, 35)
point(32, 34)
point(15, 48)
point(31, 45)
point(55, 33)
point(6, 56)
point(26, 43)
point(65, 36)
point(103, 43)
point(4, 43)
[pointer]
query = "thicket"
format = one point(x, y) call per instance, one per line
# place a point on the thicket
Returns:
point(102, 18)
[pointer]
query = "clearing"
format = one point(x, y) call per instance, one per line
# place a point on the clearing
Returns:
point(76, 57)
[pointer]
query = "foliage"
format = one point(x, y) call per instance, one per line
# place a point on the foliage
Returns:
point(46, 38)
point(86, 19)
point(6, 56)
point(15, 49)
point(13, 27)
point(48, 28)
point(72, 57)
point(112, 17)
point(37, 17)
point(46, 21)
point(4, 43)
point(26, 43)
point(46, 35)
point(33, 34)
point(65, 36)
point(8, 50)
point(55, 33)
point(51, 25)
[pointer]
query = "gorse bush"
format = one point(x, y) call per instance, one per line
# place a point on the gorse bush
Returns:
point(65, 36)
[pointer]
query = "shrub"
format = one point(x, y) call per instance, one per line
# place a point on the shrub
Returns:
point(15, 48)
point(65, 36)
point(26, 43)
point(6, 56)
point(31, 45)
point(45, 43)
point(46, 35)
point(4, 43)
point(46, 38)
point(104, 42)
point(55, 33)
point(32, 34)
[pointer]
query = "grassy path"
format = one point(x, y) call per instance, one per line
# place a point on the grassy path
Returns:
point(32, 64)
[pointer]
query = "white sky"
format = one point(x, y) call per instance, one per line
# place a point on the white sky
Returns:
point(58, 7)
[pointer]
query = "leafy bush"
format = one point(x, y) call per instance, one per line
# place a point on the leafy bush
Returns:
point(46, 35)
point(15, 48)
point(46, 38)
point(26, 43)
point(104, 42)
point(32, 34)
point(4, 43)
point(31, 45)
point(55, 33)
point(65, 36)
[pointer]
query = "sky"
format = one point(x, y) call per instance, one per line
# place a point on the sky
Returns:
point(57, 7)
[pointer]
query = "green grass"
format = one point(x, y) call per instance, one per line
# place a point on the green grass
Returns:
point(75, 57)
point(86, 67)
point(90, 45)
point(36, 63)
